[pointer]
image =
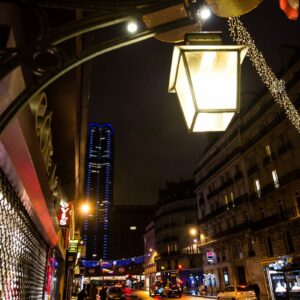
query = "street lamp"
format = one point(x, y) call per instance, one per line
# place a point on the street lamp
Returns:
point(193, 231)
point(206, 77)
point(85, 208)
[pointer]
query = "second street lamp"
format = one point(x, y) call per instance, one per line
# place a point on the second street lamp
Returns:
point(206, 77)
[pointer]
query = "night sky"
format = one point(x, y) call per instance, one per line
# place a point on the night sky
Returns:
point(129, 89)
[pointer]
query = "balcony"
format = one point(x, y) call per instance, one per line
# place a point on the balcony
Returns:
point(222, 209)
point(233, 230)
point(266, 222)
point(238, 176)
point(284, 148)
point(252, 169)
point(268, 159)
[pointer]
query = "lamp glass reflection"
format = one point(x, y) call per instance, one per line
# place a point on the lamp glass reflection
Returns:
point(206, 80)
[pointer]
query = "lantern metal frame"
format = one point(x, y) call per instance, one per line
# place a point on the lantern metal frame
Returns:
point(205, 42)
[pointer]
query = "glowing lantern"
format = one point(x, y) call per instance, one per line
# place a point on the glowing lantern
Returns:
point(206, 79)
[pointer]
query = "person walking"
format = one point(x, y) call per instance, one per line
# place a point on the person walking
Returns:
point(81, 295)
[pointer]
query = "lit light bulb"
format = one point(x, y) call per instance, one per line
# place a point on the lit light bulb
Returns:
point(132, 27)
point(85, 208)
point(204, 13)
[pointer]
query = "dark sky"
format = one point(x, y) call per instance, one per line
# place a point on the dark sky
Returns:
point(129, 89)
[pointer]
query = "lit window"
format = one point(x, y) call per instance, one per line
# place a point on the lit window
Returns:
point(257, 188)
point(268, 150)
point(132, 227)
point(232, 198)
point(275, 179)
point(226, 201)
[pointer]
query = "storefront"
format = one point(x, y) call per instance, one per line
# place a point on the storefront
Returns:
point(283, 278)
point(292, 276)
point(211, 283)
point(23, 252)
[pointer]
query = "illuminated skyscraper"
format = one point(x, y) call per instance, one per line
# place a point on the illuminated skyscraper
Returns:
point(98, 190)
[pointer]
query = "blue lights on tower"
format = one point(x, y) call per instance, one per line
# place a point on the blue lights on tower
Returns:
point(95, 230)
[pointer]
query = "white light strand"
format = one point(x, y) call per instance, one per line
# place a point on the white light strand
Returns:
point(275, 86)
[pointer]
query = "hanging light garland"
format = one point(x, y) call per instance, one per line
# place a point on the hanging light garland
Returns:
point(275, 86)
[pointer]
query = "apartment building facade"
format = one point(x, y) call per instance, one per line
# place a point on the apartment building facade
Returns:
point(247, 190)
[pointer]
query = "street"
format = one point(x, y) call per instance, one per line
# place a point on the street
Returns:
point(145, 295)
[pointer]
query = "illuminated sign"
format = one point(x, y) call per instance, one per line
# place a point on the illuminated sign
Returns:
point(211, 256)
point(73, 246)
point(64, 214)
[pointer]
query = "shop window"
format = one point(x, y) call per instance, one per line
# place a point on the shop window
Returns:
point(241, 275)
point(257, 188)
point(289, 245)
point(225, 276)
point(275, 179)
point(269, 245)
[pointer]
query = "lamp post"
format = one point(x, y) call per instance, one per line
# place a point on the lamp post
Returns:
point(206, 77)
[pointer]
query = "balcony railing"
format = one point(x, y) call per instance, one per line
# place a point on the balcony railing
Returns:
point(284, 148)
point(268, 159)
point(252, 169)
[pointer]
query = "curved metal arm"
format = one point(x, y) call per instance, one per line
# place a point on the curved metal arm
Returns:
point(42, 82)
point(49, 44)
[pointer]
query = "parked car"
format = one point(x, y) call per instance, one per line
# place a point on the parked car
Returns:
point(233, 292)
point(156, 289)
point(114, 293)
point(172, 290)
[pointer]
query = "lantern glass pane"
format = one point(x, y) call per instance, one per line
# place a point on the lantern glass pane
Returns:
point(183, 91)
point(212, 121)
point(214, 78)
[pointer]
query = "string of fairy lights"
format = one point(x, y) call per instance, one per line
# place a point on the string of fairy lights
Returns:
point(275, 86)
point(114, 263)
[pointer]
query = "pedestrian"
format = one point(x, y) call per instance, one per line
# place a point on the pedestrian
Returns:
point(81, 295)
point(93, 292)
point(103, 293)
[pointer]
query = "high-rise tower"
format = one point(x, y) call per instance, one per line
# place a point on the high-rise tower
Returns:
point(98, 185)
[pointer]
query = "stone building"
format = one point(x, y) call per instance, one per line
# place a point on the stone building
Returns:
point(247, 189)
point(177, 252)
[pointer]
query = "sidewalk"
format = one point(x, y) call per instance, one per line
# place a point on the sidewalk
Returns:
point(195, 293)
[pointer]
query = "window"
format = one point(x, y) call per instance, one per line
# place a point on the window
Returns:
point(269, 246)
point(232, 199)
point(257, 188)
point(289, 245)
point(225, 276)
point(234, 222)
point(132, 227)
point(228, 223)
point(236, 248)
point(226, 201)
point(262, 212)
point(281, 207)
point(268, 150)
point(275, 179)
